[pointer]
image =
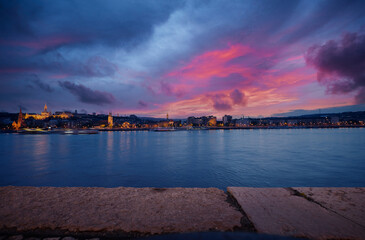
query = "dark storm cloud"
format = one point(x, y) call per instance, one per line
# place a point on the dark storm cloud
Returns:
point(87, 95)
point(15, 18)
point(341, 64)
point(39, 83)
point(56, 63)
point(111, 23)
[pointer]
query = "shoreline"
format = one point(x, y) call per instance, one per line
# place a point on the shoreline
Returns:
point(62, 131)
point(128, 213)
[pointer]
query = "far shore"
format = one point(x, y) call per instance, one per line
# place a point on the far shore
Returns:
point(62, 130)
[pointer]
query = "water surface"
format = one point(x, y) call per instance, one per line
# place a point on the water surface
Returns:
point(216, 158)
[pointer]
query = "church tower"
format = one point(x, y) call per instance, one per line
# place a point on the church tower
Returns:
point(45, 108)
point(20, 122)
point(110, 120)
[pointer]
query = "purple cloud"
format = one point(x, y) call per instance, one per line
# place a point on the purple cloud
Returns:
point(220, 103)
point(238, 97)
point(88, 95)
point(341, 64)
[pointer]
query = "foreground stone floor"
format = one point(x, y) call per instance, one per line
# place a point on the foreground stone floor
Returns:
point(129, 213)
point(290, 212)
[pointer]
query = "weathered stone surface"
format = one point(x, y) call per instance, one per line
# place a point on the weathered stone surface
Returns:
point(144, 210)
point(348, 202)
point(277, 211)
point(68, 238)
point(15, 237)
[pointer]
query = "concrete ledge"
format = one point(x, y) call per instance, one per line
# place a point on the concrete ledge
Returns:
point(347, 202)
point(286, 212)
point(142, 210)
point(115, 213)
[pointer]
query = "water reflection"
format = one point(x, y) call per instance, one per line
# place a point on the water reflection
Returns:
point(110, 146)
point(264, 158)
point(40, 147)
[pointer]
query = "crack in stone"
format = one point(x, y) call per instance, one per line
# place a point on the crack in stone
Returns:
point(295, 192)
point(246, 224)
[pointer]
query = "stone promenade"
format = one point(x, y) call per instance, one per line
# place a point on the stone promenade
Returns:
point(129, 213)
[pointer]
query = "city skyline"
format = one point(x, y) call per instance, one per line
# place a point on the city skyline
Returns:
point(296, 113)
point(183, 58)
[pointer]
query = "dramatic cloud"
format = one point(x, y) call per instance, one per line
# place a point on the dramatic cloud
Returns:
point(213, 57)
point(238, 97)
point(42, 85)
point(225, 102)
point(341, 64)
point(115, 23)
point(221, 103)
point(88, 95)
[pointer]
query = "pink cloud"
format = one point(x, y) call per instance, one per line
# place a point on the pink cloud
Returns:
point(212, 63)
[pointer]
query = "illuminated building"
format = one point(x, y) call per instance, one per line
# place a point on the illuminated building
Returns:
point(212, 121)
point(20, 122)
point(110, 120)
point(45, 114)
point(63, 115)
point(126, 125)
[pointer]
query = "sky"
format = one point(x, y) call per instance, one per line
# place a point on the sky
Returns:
point(184, 58)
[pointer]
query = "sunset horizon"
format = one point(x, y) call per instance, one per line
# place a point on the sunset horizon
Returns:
point(182, 119)
point(183, 58)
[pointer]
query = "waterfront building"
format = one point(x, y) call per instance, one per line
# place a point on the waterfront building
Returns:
point(190, 120)
point(243, 122)
point(44, 114)
point(20, 123)
point(202, 121)
point(63, 115)
point(212, 121)
point(292, 122)
point(335, 120)
point(110, 120)
point(227, 119)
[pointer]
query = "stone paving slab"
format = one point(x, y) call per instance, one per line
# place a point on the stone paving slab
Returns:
point(347, 202)
point(143, 210)
point(278, 211)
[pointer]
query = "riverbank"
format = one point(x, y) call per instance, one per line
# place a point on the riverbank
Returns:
point(316, 213)
point(94, 130)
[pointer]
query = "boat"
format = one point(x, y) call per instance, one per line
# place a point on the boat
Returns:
point(83, 131)
point(164, 129)
point(88, 131)
point(33, 131)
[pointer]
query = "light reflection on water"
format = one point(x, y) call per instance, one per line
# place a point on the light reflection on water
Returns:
point(256, 158)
